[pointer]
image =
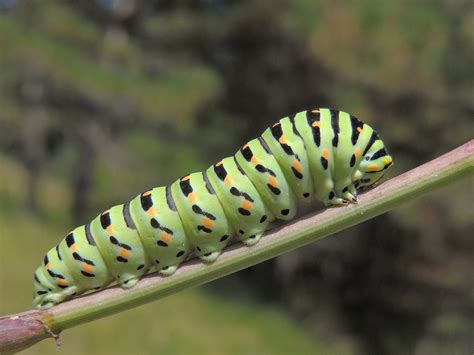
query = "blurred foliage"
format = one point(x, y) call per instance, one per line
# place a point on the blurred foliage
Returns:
point(103, 99)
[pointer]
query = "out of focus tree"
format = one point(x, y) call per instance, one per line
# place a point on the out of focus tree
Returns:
point(92, 84)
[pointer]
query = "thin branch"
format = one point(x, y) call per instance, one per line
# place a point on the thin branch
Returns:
point(23, 330)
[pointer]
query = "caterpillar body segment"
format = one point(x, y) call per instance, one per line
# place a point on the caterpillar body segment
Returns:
point(80, 254)
point(320, 153)
point(53, 282)
point(308, 125)
point(119, 244)
point(342, 174)
point(160, 229)
point(243, 207)
point(259, 164)
point(288, 148)
point(202, 215)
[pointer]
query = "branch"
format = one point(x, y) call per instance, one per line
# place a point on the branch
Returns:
point(25, 329)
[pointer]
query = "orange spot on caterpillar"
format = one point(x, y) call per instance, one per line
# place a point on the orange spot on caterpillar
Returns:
point(147, 193)
point(151, 211)
point(207, 222)
point(297, 165)
point(246, 204)
point(61, 282)
point(185, 178)
point(124, 253)
point(110, 229)
point(272, 181)
point(166, 237)
point(254, 160)
point(325, 154)
point(228, 180)
point(88, 268)
point(282, 140)
point(316, 124)
point(74, 248)
point(48, 266)
point(192, 197)
point(372, 167)
point(357, 153)
point(359, 129)
point(219, 163)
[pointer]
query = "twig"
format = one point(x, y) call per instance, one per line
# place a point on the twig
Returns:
point(25, 329)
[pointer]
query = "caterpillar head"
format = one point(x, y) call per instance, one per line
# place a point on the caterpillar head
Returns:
point(374, 165)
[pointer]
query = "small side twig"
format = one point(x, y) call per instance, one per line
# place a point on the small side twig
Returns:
point(25, 329)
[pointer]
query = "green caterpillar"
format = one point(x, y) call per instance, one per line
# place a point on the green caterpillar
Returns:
point(322, 153)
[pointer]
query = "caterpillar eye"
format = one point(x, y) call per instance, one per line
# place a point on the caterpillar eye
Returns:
point(367, 158)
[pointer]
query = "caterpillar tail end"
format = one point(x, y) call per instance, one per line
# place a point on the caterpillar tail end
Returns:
point(51, 299)
point(45, 305)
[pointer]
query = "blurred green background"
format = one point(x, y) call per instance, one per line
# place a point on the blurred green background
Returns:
point(103, 99)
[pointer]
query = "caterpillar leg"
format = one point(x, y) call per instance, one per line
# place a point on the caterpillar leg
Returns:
point(168, 270)
point(350, 193)
point(333, 200)
point(349, 197)
point(210, 257)
point(47, 304)
point(129, 283)
point(54, 298)
point(338, 197)
point(252, 240)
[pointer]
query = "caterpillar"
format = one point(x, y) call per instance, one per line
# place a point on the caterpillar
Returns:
point(321, 154)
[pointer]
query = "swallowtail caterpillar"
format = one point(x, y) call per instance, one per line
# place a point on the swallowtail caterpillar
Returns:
point(321, 153)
